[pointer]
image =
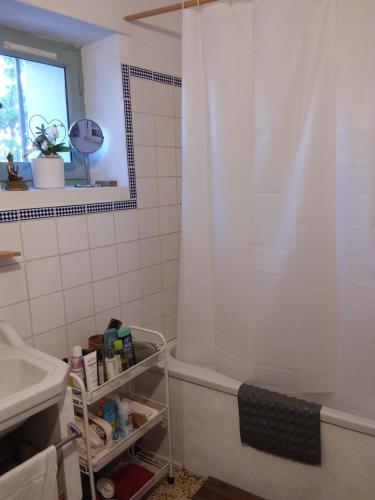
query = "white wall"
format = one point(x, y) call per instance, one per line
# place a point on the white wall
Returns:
point(103, 103)
point(77, 272)
point(152, 49)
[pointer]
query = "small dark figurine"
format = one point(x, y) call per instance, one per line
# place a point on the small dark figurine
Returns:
point(15, 181)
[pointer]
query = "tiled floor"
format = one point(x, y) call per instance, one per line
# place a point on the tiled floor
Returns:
point(184, 488)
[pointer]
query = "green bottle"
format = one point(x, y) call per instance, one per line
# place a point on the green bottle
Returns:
point(119, 354)
point(124, 333)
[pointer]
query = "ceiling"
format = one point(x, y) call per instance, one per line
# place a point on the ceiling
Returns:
point(15, 14)
point(80, 22)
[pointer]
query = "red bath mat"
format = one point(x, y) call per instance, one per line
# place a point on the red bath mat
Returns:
point(129, 479)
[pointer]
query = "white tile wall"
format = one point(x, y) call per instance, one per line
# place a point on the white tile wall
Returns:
point(166, 161)
point(150, 251)
point(165, 131)
point(130, 286)
point(76, 269)
point(72, 233)
point(128, 257)
point(146, 161)
point(77, 272)
point(101, 229)
point(39, 238)
point(126, 225)
point(19, 316)
point(151, 280)
point(163, 99)
point(13, 284)
point(104, 262)
point(47, 312)
point(78, 302)
point(106, 294)
point(168, 219)
point(148, 222)
point(43, 276)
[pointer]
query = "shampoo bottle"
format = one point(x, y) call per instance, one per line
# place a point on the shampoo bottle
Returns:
point(125, 335)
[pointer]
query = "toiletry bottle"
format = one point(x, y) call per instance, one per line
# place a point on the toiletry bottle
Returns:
point(125, 335)
point(91, 370)
point(76, 362)
point(77, 359)
point(101, 378)
point(110, 335)
point(107, 410)
point(120, 355)
point(73, 383)
point(125, 421)
point(114, 323)
point(111, 364)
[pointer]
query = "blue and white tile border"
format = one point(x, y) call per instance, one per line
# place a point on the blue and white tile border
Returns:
point(146, 74)
point(111, 206)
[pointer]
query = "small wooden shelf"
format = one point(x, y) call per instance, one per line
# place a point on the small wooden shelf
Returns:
point(8, 254)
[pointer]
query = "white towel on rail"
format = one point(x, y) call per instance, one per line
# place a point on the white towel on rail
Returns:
point(35, 479)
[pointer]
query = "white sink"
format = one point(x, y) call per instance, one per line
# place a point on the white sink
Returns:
point(30, 380)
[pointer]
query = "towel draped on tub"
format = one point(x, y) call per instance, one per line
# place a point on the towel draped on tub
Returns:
point(35, 479)
point(280, 424)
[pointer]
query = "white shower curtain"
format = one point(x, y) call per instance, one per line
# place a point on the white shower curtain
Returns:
point(277, 281)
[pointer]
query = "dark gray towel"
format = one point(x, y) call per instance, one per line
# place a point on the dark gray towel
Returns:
point(279, 424)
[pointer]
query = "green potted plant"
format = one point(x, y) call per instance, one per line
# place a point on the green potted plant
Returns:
point(48, 167)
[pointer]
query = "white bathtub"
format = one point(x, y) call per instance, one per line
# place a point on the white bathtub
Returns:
point(206, 439)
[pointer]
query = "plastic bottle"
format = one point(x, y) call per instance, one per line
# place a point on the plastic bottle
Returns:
point(76, 362)
point(124, 333)
point(125, 421)
point(120, 355)
point(111, 364)
point(107, 410)
point(77, 358)
point(101, 377)
point(110, 336)
point(114, 323)
point(73, 383)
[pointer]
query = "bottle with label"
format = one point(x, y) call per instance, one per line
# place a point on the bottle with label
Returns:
point(101, 371)
point(120, 355)
point(125, 420)
point(76, 359)
point(76, 362)
point(111, 364)
point(114, 323)
point(73, 383)
point(125, 335)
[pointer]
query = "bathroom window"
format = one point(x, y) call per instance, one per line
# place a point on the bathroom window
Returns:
point(37, 77)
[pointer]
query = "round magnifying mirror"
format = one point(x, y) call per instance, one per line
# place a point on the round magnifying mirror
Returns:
point(86, 136)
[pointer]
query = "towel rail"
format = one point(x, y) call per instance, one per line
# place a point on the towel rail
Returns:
point(74, 434)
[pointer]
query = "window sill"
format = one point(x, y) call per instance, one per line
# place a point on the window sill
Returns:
point(36, 198)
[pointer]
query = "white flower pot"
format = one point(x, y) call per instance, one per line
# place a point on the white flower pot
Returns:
point(48, 172)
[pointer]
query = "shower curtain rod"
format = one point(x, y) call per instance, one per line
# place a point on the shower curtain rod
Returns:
point(168, 8)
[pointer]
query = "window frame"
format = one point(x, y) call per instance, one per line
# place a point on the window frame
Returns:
point(69, 58)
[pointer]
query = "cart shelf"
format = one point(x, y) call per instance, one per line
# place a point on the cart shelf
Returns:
point(105, 456)
point(90, 462)
point(90, 397)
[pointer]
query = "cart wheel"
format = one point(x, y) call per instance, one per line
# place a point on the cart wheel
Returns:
point(170, 479)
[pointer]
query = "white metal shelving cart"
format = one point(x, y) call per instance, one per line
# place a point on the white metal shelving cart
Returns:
point(155, 343)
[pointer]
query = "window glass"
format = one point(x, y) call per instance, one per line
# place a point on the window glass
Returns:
point(32, 83)
point(29, 88)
